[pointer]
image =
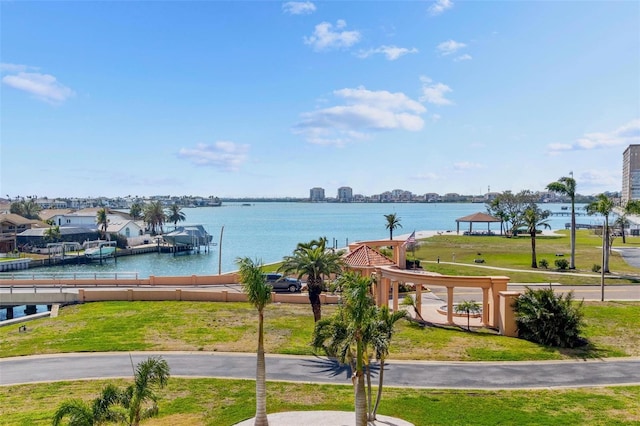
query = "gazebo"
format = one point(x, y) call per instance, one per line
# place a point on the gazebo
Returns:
point(474, 218)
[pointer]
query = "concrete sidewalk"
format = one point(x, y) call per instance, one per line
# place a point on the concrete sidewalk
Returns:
point(323, 418)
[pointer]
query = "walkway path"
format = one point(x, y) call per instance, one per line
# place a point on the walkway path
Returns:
point(309, 369)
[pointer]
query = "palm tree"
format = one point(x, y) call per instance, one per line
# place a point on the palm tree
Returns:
point(469, 307)
point(175, 215)
point(345, 336)
point(53, 234)
point(393, 222)
point(154, 215)
point(533, 218)
point(567, 186)
point(140, 398)
point(259, 295)
point(384, 329)
point(604, 206)
point(136, 211)
point(28, 209)
point(315, 262)
point(631, 208)
point(79, 413)
point(76, 411)
point(410, 302)
point(102, 219)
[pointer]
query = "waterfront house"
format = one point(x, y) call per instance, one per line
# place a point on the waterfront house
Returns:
point(10, 226)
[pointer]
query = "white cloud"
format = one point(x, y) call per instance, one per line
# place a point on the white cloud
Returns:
point(391, 52)
point(627, 134)
point(449, 47)
point(434, 93)
point(464, 57)
point(325, 37)
point(222, 155)
point(600, 180)
point(6, 67)
point(436, 117)
point(467, 165)
point(361, 111)
point(43, 86)
point(298, 7)
point(440, 6)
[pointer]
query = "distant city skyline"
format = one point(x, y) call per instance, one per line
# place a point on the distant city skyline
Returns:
point(270, 99)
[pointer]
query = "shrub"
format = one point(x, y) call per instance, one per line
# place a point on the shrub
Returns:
point(548, 318)
point(413, 264)
point(543, 263)
point(562, 264)
point(595, 268)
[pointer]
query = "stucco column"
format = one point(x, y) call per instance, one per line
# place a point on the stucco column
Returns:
point(507, 326)
point(498, 284)
point(485, 307)
point(385, 292)
point(395, 296)
point(449, 305)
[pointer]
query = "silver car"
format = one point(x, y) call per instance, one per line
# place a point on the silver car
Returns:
point(280, 282)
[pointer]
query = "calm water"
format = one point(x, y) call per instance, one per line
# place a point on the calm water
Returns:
point(269, 231)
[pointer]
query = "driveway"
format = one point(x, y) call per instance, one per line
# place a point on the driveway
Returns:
point(306, 369)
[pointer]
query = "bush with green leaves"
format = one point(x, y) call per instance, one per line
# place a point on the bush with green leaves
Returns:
point(548, 318)
point(562, 264)
point(596, 268)
point(543, 263)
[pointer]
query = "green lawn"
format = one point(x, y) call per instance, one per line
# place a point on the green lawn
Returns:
point(231, 327)
point(225, 402)
point(515, 253)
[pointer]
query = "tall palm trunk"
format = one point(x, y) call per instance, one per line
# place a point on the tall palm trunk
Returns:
point(534, 261)
point(315, 288)
point(573, 234)
point(261, 387)
point(360, 394)
point(379, 396)
point(369, 401)
point(605, 247)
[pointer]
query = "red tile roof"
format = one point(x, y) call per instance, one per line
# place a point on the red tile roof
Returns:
point(364, 255)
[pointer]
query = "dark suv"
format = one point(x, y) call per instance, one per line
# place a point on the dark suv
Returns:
point(280, 282)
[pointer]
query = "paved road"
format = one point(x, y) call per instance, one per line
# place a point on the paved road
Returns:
point(631, 255)
point(415, 374)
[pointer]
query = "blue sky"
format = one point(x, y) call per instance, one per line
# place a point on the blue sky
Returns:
point(267, 98)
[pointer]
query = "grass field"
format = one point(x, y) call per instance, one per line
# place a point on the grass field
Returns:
point(214, 402)
point(230, 327)
point(515, 253)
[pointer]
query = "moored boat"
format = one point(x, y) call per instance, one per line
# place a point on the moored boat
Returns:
point(101, 250)
point(193, 235)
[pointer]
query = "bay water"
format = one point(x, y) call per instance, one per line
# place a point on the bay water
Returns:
point(268, 231)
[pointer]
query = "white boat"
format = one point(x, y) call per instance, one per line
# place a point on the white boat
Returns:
point(100, 249)
point(193, 235)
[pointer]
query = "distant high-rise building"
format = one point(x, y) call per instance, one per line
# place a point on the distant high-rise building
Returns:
point(631, 174)
point(316, 194)
point(345, 194)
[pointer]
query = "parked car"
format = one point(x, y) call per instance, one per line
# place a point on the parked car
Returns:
point(280, 282)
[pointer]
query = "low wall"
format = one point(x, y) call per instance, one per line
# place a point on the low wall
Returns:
point(91, 295)
point(14, 265)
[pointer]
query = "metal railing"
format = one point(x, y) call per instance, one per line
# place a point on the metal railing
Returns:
point(72, 276)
